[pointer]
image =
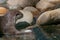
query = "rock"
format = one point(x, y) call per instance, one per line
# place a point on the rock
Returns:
point(49, 17)
point(3, 11)
point(44, 5)
point(13, 4)
point(34, 11)
point(2, 1)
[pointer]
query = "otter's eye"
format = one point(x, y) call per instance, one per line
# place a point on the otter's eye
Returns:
point(19, 16)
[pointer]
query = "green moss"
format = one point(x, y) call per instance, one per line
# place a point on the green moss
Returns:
point(50, 29)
